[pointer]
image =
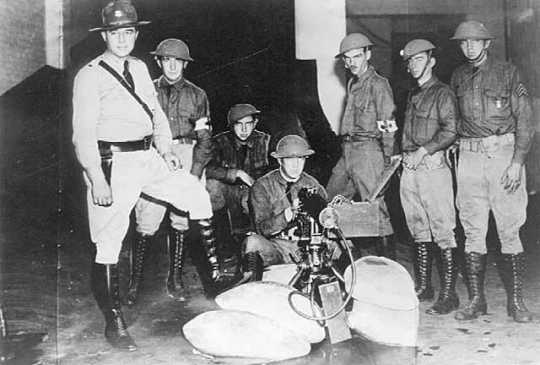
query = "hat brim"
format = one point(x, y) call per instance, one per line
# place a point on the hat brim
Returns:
point(118, 26)
point(308, 152)
point(171, 55)
point(473, 38)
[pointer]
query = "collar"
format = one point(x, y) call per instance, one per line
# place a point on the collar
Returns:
point(283, 180)
point(163, 83)
point(426, 85)
point(115, 62)
point(250, 141)
point(367, 74)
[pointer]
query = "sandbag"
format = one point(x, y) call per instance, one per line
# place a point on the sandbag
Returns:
point(385, 306)
point(232, 333)
point(270, 299)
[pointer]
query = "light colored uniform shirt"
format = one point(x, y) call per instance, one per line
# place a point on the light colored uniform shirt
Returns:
point(104, 110)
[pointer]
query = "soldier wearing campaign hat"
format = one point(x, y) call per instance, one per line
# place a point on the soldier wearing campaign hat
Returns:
point(122, 140)
point(495, 131)
point(241, 156)
point(426, 187)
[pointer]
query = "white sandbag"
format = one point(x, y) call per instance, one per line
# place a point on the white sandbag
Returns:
point(242, 334)
point(280, 273)
point(385, 306)
point(270, 299)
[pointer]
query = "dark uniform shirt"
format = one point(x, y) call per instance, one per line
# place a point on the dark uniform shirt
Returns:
point(268, 200)
point(493, 101)
point(230, 155)
point(430, 119)
point(369, 99)
point(184, 103)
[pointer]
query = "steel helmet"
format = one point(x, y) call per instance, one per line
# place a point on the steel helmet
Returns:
point(173, 47)
point(471, 29)
point(239, 111)
point(414, 47)
point(353, 41)
point(292, 146)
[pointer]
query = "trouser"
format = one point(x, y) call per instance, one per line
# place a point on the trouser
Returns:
point(273, 251)
point(482, 162)
point(427, 198)
point(134, 173)
point(358, 171)
point(149, 213)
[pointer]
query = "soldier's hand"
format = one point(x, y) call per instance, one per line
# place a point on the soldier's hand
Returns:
point(244, 176)
point(415, 158)
point(101, 193)
point(201, 123)
point(173, 163)
point(511, 178)
point(215, 274)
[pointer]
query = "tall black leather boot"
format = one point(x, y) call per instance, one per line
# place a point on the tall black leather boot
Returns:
point(448, 299)
point(514, 267)
point(423, 259)
point(175, 285)
point(105, 287)
point(139, 245)
point(475, 266)
point(253, 266)
point(386, 246)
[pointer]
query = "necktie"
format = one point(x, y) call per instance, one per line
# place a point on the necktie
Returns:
point(242, 157)
point(127, 75)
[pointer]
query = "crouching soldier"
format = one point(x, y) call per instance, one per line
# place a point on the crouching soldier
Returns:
point(240, 158)
point(187, 109)
point(274, 204)
point(426, 182)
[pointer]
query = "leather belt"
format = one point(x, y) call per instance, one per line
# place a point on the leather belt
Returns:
point(106, 147)
point(183, 140)
point(356, 138)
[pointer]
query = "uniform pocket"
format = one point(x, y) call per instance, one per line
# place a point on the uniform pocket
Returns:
point(497, 103)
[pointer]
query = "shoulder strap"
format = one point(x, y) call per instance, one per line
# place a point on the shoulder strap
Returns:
point(127, 87)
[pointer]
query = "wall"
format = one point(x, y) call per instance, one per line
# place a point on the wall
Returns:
point(22, 40)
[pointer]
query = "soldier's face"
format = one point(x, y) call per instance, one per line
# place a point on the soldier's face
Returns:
point(244, 127)
point(473, 48)
point(292, 167)
point(120, 42)
point(418, 63)
point(356, 60)
point(173, 68)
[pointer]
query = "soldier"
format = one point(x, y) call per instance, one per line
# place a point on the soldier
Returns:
point(116, 120)
point(495, 133)
point(367, 133)
point(274, 203)
point(187, 110)
point(426, 182)
point(240, 158)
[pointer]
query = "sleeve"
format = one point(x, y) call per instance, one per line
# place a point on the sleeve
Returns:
point(268, 216)
point(215, 169)
point(446, 111)
point(384, 102)
point(202, 152)
point(522, 111)
point(86, 107)
point(162, 129)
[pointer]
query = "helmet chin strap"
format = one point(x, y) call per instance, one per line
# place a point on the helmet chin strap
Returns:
point(479, 59)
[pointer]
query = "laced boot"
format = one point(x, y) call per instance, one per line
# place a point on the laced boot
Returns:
point(175, 284)
point(386, 246)
point(105, 287)
point(253, 266)
point(475, 266)
point(514, 267)
point(137, 266)
point(423, 266)
point(448, 299)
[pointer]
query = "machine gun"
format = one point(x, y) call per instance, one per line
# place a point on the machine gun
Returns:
point(319, 235)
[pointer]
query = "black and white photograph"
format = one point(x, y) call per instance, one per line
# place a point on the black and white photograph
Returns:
point(289, 182)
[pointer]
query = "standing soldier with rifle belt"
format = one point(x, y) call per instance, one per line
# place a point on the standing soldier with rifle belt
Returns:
point(495, 133)
point(117, 120)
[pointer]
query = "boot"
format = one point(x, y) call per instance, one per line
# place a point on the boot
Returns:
point(175, 285)
point(208, 241)
point(475, 265)
point(423, 265)
point(253, 266)
point(448, 299)
point(513, 267)
point(137, 266)
point(386, 246)
point(105, 287)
